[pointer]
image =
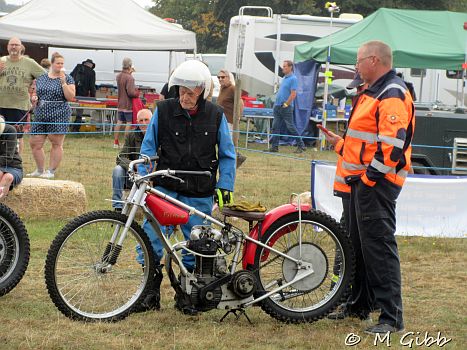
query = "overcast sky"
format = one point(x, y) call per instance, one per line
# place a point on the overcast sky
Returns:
point(142, 3)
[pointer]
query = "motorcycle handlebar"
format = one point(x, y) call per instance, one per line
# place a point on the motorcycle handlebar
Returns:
point(167, 172)
point(144, 159)
point(190, 172)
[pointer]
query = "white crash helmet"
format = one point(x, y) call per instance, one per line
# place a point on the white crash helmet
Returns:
point(192, 74)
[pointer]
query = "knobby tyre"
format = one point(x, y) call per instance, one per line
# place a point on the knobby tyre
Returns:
point(14, 249)
point(325, 244)
point(81, 282)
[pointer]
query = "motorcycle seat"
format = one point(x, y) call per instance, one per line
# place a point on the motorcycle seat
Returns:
point(249, 216)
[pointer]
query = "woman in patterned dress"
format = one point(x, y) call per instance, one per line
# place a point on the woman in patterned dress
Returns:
point(52, 116)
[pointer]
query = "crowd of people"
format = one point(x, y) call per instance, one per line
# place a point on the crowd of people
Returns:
point(189, 132)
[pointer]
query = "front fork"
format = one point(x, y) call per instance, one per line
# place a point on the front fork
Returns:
point(134, 200)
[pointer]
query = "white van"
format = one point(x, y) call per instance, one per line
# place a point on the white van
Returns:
point(152, 67)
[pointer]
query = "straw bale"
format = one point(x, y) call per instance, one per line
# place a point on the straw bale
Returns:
point(41, 198)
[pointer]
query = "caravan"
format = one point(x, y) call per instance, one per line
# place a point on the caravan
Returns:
point(257, 45)
point(443, 87)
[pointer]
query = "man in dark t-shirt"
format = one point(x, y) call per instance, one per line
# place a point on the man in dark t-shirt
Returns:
point(85, 82)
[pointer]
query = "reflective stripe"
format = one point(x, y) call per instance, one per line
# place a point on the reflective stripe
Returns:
point(373, 138)
point(381, 167)
point(351, 166)
point(392, 86)
point(392, 141)
point(363, 135)
point(402, 173)
point(339, 179)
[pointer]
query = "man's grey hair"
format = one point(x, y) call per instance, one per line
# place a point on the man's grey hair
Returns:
point(127, 63)
point(381, 50)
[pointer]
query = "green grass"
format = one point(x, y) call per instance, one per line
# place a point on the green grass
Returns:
point(433, 271)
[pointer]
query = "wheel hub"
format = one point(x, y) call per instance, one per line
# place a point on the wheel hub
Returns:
point(310, 254)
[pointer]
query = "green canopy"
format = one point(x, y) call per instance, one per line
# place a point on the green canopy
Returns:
point(419, 39)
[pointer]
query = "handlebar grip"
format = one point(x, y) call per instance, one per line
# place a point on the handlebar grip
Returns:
point(190, 172)
point(154, 158)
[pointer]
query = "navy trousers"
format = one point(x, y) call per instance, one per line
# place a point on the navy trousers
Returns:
point(370, 218)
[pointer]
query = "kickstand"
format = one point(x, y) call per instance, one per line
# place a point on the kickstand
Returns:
point(237, 315)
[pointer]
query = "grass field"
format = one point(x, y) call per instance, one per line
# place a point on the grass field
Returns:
point(433, 271)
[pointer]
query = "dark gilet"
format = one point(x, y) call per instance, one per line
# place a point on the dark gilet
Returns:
point(188, 143)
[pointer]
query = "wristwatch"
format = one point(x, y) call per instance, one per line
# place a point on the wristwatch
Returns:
point(285, 104)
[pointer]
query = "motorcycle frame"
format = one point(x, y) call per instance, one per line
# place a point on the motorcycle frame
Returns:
point(136, 199)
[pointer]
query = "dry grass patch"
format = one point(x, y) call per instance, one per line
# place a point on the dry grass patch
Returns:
point(433, 269)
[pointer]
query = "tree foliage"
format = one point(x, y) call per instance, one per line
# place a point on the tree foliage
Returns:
point(210, 19)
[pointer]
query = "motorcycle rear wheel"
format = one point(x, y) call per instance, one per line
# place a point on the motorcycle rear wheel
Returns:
point(14, 249)
point(325, 245)
point(81, 282)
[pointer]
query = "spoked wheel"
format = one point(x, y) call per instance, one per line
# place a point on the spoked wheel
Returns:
point(320, 246)
point(14, 249)
point(82, 279)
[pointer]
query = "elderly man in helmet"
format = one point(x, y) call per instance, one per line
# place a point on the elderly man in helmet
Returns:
point(189, 133)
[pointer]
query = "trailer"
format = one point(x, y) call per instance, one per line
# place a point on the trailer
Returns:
point(439, 146)
point(257, 45)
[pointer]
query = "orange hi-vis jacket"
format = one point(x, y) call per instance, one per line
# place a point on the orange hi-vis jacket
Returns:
point(341, 189)
point(377, 142)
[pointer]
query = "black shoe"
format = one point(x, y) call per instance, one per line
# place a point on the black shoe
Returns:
point(383, 328)
point(240, 159)
point(300, 149)
point(343, 311)
point(272, 149)
point(183, 305)
point(152, 301)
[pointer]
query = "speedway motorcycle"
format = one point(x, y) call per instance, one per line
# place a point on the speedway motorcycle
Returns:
point(295, 262)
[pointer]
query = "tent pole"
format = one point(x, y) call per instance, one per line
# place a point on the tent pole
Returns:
point(464, 68)
point(238, 76)
point(332, 7)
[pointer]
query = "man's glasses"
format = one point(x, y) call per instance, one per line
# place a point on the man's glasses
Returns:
point(358, 61)
point(221, 77)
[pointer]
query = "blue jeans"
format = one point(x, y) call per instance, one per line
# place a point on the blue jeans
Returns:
point(118, 184)
point(17, 175)
point(284, 115)
point(203, 204)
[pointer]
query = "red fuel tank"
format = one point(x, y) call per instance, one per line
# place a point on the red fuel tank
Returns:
point(165, 212)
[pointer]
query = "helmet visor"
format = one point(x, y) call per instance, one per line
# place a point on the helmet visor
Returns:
point(193, 85)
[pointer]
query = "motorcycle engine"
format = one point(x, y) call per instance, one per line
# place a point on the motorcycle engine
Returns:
point(206, 241)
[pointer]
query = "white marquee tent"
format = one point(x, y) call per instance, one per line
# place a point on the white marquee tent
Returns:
point(97, 24)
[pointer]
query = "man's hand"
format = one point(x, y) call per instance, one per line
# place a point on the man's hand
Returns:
point(223, 197)
point(329, 135)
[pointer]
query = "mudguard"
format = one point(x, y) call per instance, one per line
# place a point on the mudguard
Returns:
point(249, 249)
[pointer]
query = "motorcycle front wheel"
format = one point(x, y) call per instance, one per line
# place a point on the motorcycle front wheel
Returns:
point(14, 249)
point(84, 281)
point(318, 242)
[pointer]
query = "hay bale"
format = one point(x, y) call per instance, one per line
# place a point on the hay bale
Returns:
point(41, 198)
